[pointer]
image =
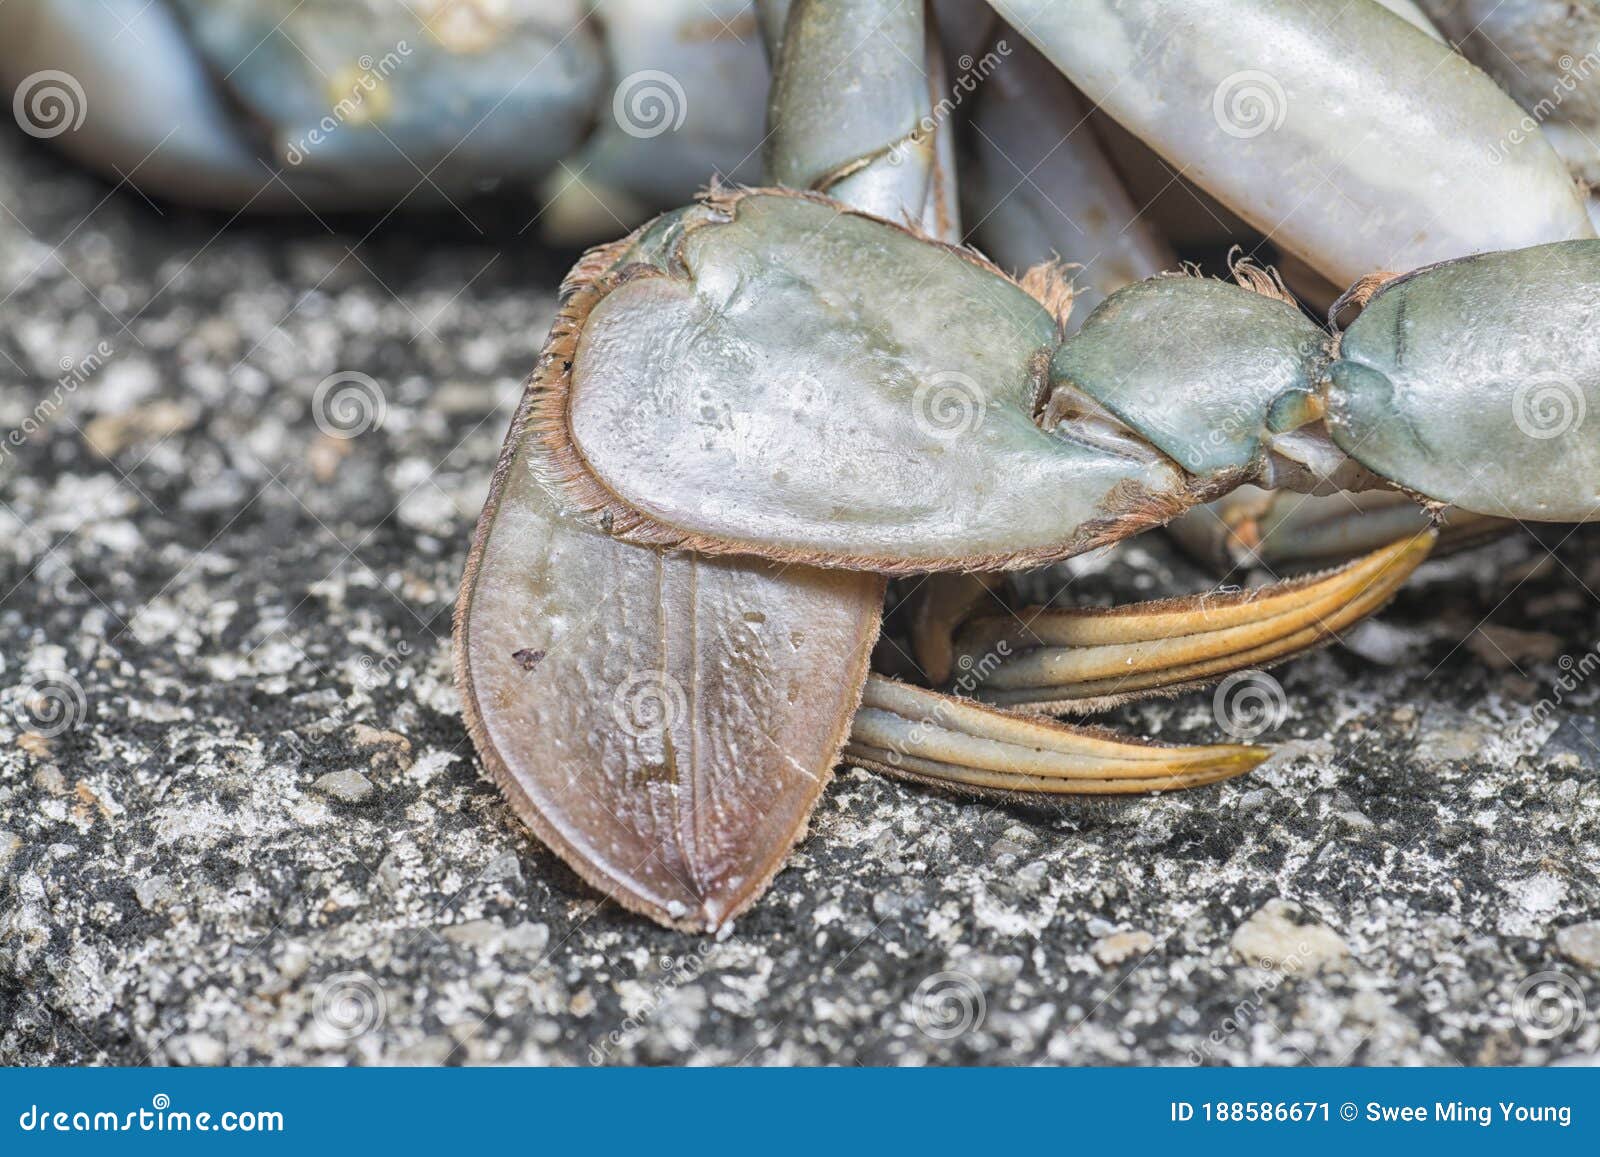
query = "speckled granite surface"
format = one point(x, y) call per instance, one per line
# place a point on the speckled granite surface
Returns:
point(259, 834)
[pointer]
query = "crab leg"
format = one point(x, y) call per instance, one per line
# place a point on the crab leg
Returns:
point(1284, 531)
point(1042, 187)
point(1085, 660)
point(1545, 54)
point(685, 98)
point(1352, 138)
point(922, 735)
point(1355, 144)
point(282, 105)
point(846, 115)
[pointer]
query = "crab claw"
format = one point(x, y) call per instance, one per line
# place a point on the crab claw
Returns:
point(938, 739)
point(775, 374)
point(663, 723)
point(1086, 660)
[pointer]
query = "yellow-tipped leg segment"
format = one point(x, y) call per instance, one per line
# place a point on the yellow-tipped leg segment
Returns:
point(1085, 660)
point(922, 735)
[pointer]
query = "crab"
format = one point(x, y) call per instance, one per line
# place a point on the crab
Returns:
point(756, 410)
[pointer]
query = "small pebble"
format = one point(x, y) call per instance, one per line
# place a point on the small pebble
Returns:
point(1284, 937)
point(349, 786)
point(1120, 946)
point(1580, 943)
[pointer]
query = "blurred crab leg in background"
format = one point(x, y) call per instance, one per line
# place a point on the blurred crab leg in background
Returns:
point(289, 104)
point(1354, 140)
point(687, 100)
point(178, 133)
point(1041, 188)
